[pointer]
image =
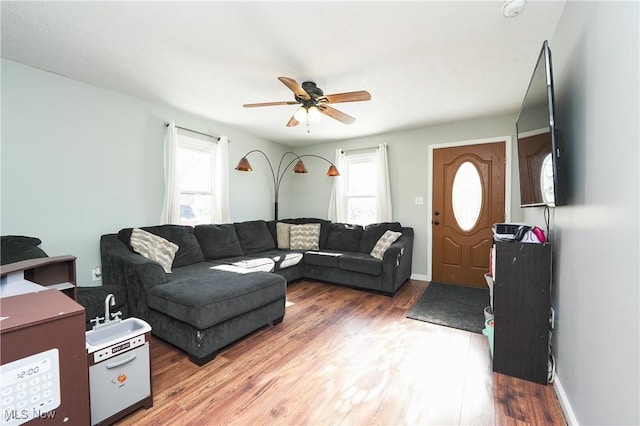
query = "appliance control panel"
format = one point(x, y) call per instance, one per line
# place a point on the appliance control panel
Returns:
point(113, 350)
point(30, 388)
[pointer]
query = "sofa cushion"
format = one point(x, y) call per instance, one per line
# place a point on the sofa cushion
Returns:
point(388, 238)
point(322, 258)
point(218, 241)
point(305, 237)
point(373, 232)
point(154, 247)
point(254, 236)
point(282, 234)
point(189, 251)
point(360, 262)
point(203, 297)
point(324, 227)
point(345, 237)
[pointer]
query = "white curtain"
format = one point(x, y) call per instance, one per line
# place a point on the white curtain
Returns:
point(221, 213)
point(171, 204)
point(337, 203)
point(383, 184)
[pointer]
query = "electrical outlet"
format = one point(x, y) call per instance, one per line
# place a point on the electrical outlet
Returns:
point(96, 274)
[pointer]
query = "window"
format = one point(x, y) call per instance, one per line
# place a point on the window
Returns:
point(361, 188)
point(362, 193)
point(195, 166)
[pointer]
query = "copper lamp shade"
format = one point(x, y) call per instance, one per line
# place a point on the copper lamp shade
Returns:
point(299, 167)
point(333, 171)
point(243, 165)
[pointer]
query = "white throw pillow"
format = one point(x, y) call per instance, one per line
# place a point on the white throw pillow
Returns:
point(282, 235)
point(388, 238)
point(305, 237)
point(154, 248)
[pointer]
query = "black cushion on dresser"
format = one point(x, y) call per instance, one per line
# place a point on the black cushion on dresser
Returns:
point(16, 248)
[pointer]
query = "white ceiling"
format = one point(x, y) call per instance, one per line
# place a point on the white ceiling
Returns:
point(424, 62)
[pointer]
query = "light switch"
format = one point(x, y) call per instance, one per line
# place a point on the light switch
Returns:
point(419, 201)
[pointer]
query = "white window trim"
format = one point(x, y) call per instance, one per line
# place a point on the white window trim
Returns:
point(202, 146)
point(338, 203)
point(354, 159)
point(220, 177)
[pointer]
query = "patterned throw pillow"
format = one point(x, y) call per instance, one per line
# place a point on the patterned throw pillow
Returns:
point(154, 248)
point(282, 234)
point(388, 238)
point(305, 237)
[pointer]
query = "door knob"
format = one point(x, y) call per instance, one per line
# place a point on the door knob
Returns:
point(435, 222)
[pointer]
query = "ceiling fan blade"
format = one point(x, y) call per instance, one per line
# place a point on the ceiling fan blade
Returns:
point(263, 104)
point(294, 87)
point(361, 95)
point(335, 114)
point(293, 122)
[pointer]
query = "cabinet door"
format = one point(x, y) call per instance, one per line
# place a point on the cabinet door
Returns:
point(119, 382)
point(521, 310)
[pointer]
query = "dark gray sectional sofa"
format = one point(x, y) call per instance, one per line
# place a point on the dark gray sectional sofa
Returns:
point(229, 280)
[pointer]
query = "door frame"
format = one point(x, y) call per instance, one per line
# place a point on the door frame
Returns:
point(507, 185)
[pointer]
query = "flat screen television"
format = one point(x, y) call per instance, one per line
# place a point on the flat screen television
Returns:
point(540, 154)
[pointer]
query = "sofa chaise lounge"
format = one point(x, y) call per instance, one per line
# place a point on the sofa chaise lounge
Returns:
point(228, 280)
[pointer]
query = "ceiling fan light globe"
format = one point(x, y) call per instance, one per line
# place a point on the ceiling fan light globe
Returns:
point(300, 114)
point(313, 113)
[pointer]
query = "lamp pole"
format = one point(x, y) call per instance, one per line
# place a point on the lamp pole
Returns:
point(244, 166)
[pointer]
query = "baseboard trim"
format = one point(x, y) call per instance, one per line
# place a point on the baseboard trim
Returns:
point(569, 415)
point(418, 277)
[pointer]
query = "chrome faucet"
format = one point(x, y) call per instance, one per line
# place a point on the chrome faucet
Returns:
point(109, 300)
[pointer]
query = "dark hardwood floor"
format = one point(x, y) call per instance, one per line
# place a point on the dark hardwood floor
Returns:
point(343, 356)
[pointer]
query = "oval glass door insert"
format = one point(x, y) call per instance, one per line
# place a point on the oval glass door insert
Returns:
point(467, 196)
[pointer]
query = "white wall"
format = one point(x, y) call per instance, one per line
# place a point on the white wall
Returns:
point(90, 161)
point(595, 294)
point(409, 170)
point(79, 162)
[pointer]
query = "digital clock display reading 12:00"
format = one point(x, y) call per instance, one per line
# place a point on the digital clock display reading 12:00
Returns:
point(29, 370)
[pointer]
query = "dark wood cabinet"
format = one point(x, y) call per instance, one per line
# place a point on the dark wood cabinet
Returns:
point(42, 340)
point(522, 304)
point(56, 272)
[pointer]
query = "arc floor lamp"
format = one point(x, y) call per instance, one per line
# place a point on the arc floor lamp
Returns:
point(244, 166)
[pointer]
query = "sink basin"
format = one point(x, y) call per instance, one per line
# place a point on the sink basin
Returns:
point(114, 332)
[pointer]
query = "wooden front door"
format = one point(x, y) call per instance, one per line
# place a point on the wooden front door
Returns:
point(532, 152)
point(468, 198)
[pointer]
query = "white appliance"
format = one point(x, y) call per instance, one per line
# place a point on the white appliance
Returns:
point(119, 379)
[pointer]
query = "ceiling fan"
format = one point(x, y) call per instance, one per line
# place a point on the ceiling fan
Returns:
point(313, 101)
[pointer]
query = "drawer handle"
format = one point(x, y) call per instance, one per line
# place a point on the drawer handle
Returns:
point(121, 362)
